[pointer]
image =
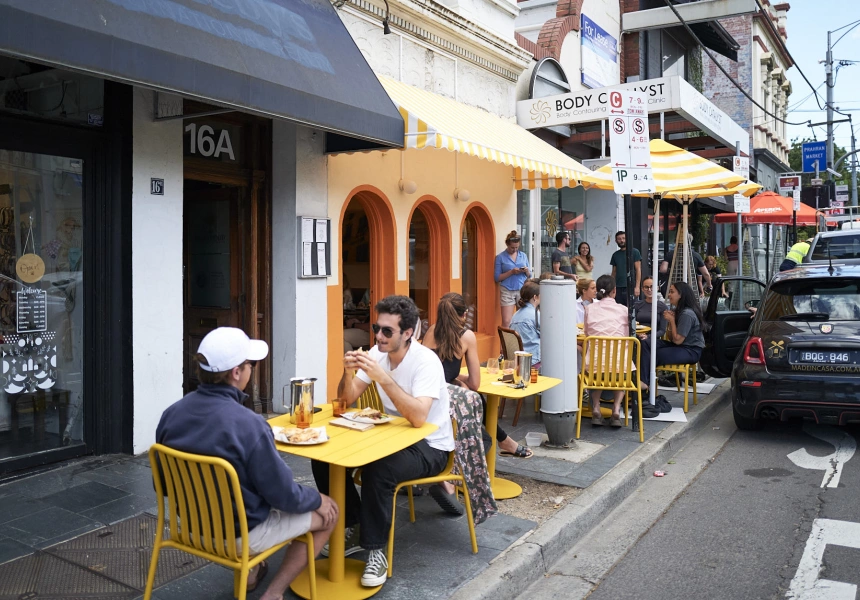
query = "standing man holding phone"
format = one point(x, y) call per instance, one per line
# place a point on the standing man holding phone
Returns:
point(510, 272)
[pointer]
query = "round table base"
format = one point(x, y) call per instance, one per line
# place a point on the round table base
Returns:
point(504, 489)
point(348, 589)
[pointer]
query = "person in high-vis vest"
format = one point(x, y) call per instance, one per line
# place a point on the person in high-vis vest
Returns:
point(796, 253)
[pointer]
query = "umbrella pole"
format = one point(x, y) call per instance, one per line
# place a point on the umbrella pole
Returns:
point(652, 376)
point(686, 243)
point(767, 256)
point(741, 245)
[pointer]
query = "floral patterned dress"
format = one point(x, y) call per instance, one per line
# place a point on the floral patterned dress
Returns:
point(466, 409)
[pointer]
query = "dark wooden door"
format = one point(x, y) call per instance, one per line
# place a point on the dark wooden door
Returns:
point(213, 247)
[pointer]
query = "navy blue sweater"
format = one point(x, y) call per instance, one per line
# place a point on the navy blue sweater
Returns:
point(213, 421)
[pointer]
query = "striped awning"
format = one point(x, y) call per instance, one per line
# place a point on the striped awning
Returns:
point(434, 121)
point(678, 172)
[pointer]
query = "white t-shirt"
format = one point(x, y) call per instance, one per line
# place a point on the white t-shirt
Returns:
point(419, 374)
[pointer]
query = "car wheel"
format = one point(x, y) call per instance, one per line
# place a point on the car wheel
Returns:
point(745, 423)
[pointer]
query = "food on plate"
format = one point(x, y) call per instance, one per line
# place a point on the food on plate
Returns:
point(304, 435)
point(371, 413)
point(294, 435)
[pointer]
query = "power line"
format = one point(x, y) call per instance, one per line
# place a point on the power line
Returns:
point(721, 68)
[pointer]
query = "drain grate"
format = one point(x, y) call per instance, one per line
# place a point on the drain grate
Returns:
point(41, 575)
point(108, 563)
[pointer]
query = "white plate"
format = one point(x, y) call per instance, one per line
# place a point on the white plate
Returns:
point(280, 436)
point(352, 416)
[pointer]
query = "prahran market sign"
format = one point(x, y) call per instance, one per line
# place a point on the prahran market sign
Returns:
point(664, 94)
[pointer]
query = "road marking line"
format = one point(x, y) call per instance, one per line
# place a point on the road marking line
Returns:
point(832, 463)
point(806, 585)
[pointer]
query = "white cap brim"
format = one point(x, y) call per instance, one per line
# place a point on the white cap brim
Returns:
point(257, 350)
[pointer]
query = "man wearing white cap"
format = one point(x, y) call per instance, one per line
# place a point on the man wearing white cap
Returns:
point(212, 420)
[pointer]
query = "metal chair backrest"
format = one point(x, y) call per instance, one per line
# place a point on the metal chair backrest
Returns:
point(607, 363)
point(370, 398)
point(202, 493)
point(510, 341)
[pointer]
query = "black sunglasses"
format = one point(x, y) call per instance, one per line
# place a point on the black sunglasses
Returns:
point(513, 240)
point(253, 363)
point(386, 331)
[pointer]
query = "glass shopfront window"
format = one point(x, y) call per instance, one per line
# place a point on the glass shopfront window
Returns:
point(524, 221)
point(41, 303)
point(560, 210)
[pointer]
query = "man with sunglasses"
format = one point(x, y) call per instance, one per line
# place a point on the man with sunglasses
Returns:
point(411, 384)
point(212, 420)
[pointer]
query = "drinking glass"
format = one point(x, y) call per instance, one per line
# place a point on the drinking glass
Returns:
point(493, 366)
point(338, 406)
point(508, 368)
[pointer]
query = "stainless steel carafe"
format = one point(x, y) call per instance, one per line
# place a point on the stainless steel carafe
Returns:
point(299, 385)
point(522, 368)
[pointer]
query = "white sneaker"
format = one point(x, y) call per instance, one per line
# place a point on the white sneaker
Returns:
point(376, 571)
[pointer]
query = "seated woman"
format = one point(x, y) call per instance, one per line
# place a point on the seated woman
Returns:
point(606, 318)
point(642, 309)
point(453, 342)
point(684, 329)
point(526, 321)
point(586, 289)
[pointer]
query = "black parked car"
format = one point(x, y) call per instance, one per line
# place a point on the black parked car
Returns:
point(799, 354)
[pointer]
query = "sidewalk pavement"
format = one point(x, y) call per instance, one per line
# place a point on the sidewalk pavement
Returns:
point(85, 528)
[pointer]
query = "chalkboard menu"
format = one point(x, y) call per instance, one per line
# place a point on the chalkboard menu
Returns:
point(32, 310)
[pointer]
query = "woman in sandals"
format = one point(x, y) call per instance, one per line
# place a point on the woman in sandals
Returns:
point(605, 318)
point(450, 339)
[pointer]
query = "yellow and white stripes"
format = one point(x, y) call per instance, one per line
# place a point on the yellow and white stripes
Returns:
point(433, 121)
point(677, 171)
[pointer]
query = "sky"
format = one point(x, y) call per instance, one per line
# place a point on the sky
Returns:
point(807, 25)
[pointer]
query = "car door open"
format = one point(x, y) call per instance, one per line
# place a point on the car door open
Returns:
point(727, 322)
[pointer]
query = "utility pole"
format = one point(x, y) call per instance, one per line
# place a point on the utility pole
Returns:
point(828, 70)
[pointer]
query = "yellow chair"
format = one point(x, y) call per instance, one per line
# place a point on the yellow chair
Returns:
point(447, 474)
point(688, 370)
point(201, 493)
point(370, 398)
point(606, 366)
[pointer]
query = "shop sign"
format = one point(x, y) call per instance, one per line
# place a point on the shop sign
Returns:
point(599, 55)
point(663, 94)
point(205, 141)
point(787, 183)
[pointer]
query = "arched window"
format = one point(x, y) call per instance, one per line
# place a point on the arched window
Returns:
point(419, 263)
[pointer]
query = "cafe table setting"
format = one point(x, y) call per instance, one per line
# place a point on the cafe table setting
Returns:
point(344, 448)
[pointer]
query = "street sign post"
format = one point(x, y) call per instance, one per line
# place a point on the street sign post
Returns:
point(742, 204)
point(796, 198)
point(787, 183)
point(817, 182)
point(741, 166)
point(630, 153)
point(811, 152)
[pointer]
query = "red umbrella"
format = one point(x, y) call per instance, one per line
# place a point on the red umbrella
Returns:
point(769, 207)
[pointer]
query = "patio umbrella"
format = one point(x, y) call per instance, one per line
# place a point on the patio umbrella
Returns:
point(773, 209)
point(684, 176)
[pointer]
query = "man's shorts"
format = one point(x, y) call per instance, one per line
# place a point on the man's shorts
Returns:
point(509, 298)
point(276, 529)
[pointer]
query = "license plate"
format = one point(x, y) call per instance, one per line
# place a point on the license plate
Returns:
point(817, 356)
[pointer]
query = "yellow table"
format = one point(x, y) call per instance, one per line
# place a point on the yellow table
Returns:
point(337, 576)
point(504, 488)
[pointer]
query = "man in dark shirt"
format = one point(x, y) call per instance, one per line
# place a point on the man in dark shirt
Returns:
point(560, 258)
point(619, 269)
point(213, 421)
